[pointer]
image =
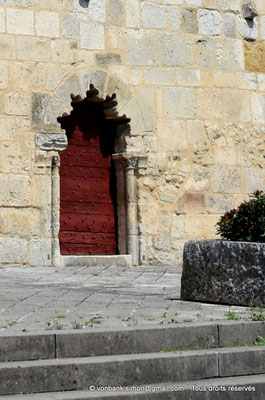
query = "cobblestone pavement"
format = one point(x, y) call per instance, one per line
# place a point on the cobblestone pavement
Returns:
point(34, 299)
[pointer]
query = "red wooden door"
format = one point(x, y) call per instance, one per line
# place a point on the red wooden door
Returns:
point(87, 189)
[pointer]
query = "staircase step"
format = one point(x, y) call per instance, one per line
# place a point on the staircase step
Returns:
point(126, 370)
point(240, 388)
point(96, 342)
point(123, 260)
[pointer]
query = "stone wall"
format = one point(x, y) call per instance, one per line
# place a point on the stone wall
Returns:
point(190, 75)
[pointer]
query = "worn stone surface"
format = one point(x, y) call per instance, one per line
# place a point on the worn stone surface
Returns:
point(223, 272)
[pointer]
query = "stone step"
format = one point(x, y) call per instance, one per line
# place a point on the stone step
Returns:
point(96, 342)
point(234, 388)
point(41, 376)
point(123, 260)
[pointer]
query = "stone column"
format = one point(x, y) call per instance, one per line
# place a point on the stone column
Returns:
point(52, 144)
point(127, 165)
point(55, 211)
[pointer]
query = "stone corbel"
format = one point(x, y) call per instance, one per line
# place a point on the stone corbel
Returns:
point(51, 141)
point(128, 166)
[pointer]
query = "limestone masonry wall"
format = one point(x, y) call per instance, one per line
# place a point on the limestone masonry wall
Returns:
point(190, 75)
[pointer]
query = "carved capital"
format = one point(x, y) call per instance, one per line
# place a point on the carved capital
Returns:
point(51, 141)
point(130, 160)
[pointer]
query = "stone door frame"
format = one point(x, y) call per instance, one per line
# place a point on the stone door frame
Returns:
point(128, 166)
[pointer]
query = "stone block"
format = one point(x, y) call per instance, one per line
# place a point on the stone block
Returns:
point(3, 75)
point(20, 22)
point(209, 103)
point(97, 10)
point(261, 82)
point(204, 52)
point(226, 155)
point(219, 203)
point(189, 22)
point(62, 51)
point(176, 49)
point(23, 74)
point(178, 226)
point(171, 135)
point(70, 25)
point(199, 181)
point(40, 252)
point(226, 179)
point(228, 5)
point(189, 77)
point(230, 25)
point(258, 107)
point(248, 29)
point(254, 56)
point(17, 104)
point(210, 22)
point(54, 4)
point(132, 14)
point(262, 28)
point(92, 36)
point(22, 221)
point(253, 179)
point(156, 76)
point(107, 58)
point(77, 6)
point(247, 80)
point(115, 12)
point(16, 159)
point(174, 18)
point(153, 16)
point(7, 47)
point(141, 47)
point(236, 105)
point(229, 53)
point(2, 20)
point(249, 9)
point(26, 347)
point(192, 203)
point(33, 49)
point(14, 190)
point(222, 271)
point(196, 131)
point(224, 79)
point(47, 24)
point(200, 226)
point(179, 102)
point(142, 111)
point(240, 333)
point(13, 250)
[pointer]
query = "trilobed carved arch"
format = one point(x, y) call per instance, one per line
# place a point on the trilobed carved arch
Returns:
point(88, 218)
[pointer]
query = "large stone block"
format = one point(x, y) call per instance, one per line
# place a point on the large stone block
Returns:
point(255, 56)
point(189, 22)
point(7, 47)
point(97, 10)
point(33, 49)
point(17, 104)
point(157, 76)
point(219, 203)
point(3, 75)
point(226, 179)
point(204, 52)
point(248, 29)
point(92, 36)
point(229, 53)
point(40, 252)
point(171, 136)
point(258, 107)
point(153, 16)
point(132, 14)
point(141, 47)
point(224, 272)
point(189, 77)
point(47, 24)
point(115, 12)
point(179, 102)
point(14, 190)
point(210, 22)
point(174, 18)
point(196, 131)
point(20, 22)
point(176, 49)
point(253, 179)
point(13, 250)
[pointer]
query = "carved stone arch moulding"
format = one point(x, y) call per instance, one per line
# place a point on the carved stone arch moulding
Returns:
point(128, 166)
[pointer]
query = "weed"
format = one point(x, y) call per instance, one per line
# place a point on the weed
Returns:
point(77, 325)
point(127, 319)
point(232, 315)
point(12, 323)
point(173, 321)
point(260, 341)
point(187, 320)
point(53, 327)
point(257, 313)
point(60, 316)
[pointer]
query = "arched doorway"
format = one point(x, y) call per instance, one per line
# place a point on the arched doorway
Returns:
point(88, 212)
